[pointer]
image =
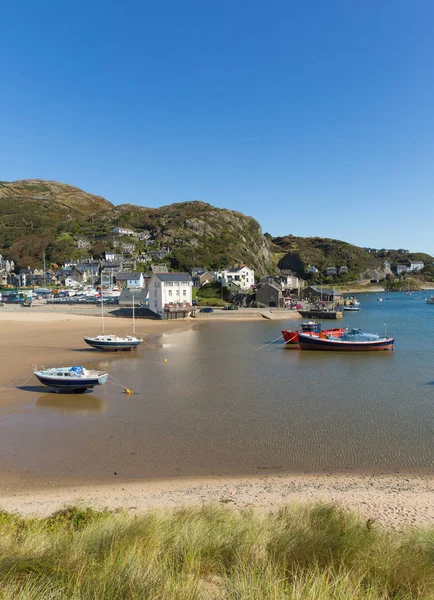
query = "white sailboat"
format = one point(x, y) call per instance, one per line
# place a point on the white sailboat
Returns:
point(114, 342)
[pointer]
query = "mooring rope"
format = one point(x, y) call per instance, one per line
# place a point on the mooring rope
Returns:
point(268, 343)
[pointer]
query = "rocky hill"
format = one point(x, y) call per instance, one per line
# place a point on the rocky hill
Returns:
point(55, 195)
point(298, 254)
point(38, 217)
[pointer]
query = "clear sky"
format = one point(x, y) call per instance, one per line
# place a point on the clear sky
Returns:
point(316, 118)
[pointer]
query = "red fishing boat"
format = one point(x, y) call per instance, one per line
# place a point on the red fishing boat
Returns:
point(311, 328)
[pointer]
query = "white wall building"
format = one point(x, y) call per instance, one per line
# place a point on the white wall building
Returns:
point(243, 276)
point(416, 265)
point(123, 231)
point(169, 290)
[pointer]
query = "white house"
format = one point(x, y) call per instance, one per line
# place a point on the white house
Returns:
point(331, 271)
point(416, 265)
point(311, 269)
point(401, 269)
point(169, 290)
point(242, 276)
point(123, 231)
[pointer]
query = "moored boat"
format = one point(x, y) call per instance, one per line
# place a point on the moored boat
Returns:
point(291, 337)
point(351, 308)
point(353, 340)
point(113, 342)
point(429, 300)
point(72, 379)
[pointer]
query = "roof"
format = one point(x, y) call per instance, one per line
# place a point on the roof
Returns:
point(172, 276)
point(271, 284)
point(128, 276)
point(324, 291)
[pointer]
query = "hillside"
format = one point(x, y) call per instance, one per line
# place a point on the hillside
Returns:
point(39, 216)
point(54, 193)
point(298, 254)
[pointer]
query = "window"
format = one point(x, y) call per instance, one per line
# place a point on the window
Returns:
point(170, 292)
point(184, 293)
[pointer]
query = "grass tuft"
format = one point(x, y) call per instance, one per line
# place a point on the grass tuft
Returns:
point(301, 552)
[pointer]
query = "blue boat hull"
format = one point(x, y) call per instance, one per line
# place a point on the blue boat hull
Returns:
point(312, 343)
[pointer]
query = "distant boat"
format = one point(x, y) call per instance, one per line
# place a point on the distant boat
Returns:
point(113, 342)
point(72, 379)
point(291, 337)
point(351, 308)
point(379, 299)
point(353, 341)
point(429, 300)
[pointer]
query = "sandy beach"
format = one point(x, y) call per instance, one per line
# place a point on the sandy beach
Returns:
point(50, 337)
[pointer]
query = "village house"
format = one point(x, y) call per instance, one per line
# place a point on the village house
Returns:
point(416, 265)
point(401, 269)
point(123, 231)
point(312, 269)
point(130, 280)
point(289, 280)
point(83, 244)
point(270, 294)
point(201, 277)
point(112, 257)
point(169, 291)
point(343, 270)
point(159, 254)
point(331, 271)
point(159, 269)
point(143, 257)
point(71, 278)
point(143, 235)
point(242, 276)
point(318, 293)
point(128, 247)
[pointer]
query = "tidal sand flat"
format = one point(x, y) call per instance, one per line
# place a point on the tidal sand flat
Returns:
point(216, 417)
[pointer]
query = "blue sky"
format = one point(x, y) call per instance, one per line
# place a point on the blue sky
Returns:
point(316, 118)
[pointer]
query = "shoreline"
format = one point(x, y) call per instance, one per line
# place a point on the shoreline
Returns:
point(391, 500)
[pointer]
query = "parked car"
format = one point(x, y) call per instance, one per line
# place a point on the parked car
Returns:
point(208, 309)
point(231, 307)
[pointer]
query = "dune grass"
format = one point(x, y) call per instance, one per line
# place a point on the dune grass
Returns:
point(302, 552)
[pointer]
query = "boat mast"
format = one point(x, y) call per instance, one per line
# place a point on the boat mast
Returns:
point(134, 325)
point(102, 307)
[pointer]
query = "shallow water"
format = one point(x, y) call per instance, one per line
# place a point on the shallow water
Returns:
point(220, 405)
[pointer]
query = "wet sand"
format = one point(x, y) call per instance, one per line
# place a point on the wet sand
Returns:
point(53, 338)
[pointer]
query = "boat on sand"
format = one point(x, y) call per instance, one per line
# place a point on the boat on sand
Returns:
point(71, 379)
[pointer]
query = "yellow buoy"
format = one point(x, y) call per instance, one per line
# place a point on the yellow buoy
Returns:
point(128, 392)
point(165, 360)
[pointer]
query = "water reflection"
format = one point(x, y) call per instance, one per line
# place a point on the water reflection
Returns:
point(71, 403)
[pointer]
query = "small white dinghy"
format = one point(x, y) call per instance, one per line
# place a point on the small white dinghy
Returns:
point(73, 379)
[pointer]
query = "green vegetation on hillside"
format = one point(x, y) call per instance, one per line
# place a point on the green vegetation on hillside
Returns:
point(316, 552)
point(197, 233)
point(38, 216)
point(298, 254)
